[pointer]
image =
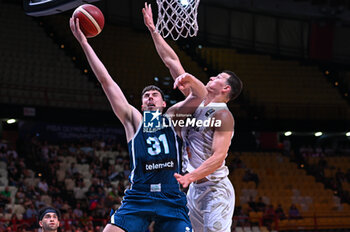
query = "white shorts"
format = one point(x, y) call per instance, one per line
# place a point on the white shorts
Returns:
point(211, 206)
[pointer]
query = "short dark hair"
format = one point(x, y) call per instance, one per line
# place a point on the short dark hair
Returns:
point(235, 83)
point(153, 87)
point(48, 209)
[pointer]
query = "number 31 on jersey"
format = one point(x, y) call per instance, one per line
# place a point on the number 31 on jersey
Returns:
point(155, 143)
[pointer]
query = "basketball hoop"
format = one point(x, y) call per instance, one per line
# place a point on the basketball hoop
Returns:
point(177, 18)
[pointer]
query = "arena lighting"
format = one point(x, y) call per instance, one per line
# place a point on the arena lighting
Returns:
point(318, 134)
point(348, 134)
point(184, 2)
point(288, 133)
point(11, 121)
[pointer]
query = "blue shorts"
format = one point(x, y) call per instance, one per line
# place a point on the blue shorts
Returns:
point(139, 209)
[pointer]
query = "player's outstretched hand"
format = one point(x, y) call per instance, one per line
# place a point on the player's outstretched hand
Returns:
point(75, 28)
point(183, 81)
point(148, 17)
point(185, 180)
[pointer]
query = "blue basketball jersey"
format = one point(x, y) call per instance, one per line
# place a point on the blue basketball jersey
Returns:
point(154, 158)
point(154, 194)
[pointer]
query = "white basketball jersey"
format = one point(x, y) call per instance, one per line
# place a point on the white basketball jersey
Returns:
point(198, 140)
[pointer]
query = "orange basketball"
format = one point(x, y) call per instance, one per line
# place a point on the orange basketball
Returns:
point(91, 19)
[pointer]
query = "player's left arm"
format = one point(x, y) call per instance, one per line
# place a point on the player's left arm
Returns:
point(221, 143)
point(193, 100)
point(165, 52)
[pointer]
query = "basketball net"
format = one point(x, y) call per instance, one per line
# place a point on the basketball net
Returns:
point(177, 18)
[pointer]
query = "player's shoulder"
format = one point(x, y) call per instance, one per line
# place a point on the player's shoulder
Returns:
point(224, 114)
point(226, 119)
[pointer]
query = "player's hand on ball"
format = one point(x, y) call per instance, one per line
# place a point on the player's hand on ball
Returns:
point(75, 28)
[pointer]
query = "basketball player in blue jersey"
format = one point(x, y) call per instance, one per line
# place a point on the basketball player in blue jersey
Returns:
point(155, 152)
point(210, 197)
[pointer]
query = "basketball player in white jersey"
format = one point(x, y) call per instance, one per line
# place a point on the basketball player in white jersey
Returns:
point(211, 197)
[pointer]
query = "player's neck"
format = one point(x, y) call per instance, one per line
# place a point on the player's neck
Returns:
point(211, 97)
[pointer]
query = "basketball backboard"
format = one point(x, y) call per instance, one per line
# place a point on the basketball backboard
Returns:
point(50, 7)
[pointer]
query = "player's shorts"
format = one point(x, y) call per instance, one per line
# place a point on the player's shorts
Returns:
point(211, 206)
point(140, 208)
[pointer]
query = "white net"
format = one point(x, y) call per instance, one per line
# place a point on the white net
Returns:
point(177, 18)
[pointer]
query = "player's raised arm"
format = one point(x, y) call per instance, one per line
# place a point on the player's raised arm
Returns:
point(166, 53)
point(125, 112)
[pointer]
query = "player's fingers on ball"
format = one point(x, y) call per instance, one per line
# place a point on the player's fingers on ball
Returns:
point(71, 23)
point(78, 25)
